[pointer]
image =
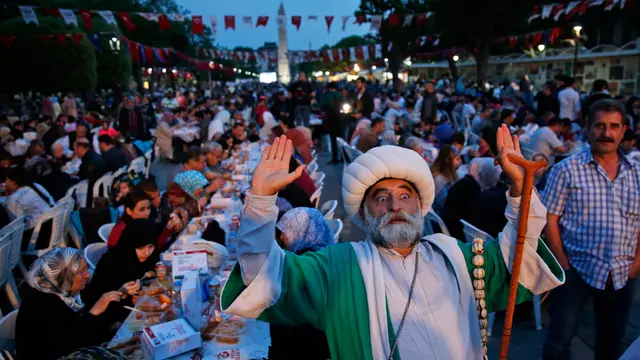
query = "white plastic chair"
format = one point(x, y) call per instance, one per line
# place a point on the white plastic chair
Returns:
point(105, 230)
point(57, 216)
point(315, 197)
point(81, 191)
point(93, 253)
point(15, 229)
point(471, 232)
point(7, 280)
point(328, 209)
point(8, 326)
point(312, 168)
point(119, 172)
point(139, 165)
point(336, 228)
point(429, 219)
point(104, 184)
point(318, 177)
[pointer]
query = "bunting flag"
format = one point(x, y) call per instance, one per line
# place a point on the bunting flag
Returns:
point(108, 17)
point(95, 41)
point(394, 20)
point(229, 22)
point(546, 11)
point(87, 19)
point(176, 17)
point(77, 38)
point(262, 21)
point(329, 20)
point(421, 19)
point(360, 19)
point(407, 20)
point(61, 38)
point(296, 21)
point(247, 21)
point(28, 15)
point(197, 26)
point(344, 22)
point(148, 55)
point(134, 51)
point(558, 10)
point(68, 16)
point(149, 16)
point(312, 18)
point(376, 22)
point(126, 20)
point(163, 22)
point(213, 20)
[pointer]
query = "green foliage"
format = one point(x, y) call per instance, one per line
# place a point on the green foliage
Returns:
point(46, 65)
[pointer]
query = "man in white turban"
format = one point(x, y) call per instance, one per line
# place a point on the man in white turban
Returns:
point(396, 295)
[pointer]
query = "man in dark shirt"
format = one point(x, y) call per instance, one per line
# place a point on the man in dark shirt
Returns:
point(92, 166)
point(301, 98)
point(281, 107)
point(364, 100)
point(547, 101)
point(429, 111)
point(113, 157)
point(488, 214)
point(599, 92)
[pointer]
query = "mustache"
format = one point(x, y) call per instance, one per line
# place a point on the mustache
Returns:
point(604, 139)
point(389, 217)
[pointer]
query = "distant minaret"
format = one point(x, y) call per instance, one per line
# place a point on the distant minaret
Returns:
point(284, 75)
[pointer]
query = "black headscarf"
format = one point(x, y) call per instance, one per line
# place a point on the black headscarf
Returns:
point(120, 264)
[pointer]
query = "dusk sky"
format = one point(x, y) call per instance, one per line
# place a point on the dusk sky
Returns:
point(311, 32)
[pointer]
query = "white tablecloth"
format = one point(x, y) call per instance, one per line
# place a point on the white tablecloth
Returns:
point(187, 134)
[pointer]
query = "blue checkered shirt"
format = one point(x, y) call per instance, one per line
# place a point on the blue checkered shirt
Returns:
point(599, 218)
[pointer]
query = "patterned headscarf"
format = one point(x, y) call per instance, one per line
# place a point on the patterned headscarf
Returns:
point(305, 229)
point(484, 172)
point(55, 272)
point(190, 181)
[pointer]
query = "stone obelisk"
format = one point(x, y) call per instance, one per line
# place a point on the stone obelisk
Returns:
point(284, 74)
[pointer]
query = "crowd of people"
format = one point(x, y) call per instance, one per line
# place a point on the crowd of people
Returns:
point(440, 140)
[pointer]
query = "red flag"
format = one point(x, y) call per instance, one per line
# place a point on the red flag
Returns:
point(537, 38)
point(229, 22)
point(582, 7)
point(262, 21)
point(163, 22)
point(345, 54)
point(6, 40)
point(296, 21)
point(51, 11)
point(555, 33)
point(148, 54)
point(359, 53)
point(197, 26)
point(512, 41)
point(325, 55)
point(126, 19)
point(61, 38)
point(421, 19)
point(393, 19)
point(329, 20)
point(134, 51)
point(77, 37)
point(86, 17)
point(361, 19)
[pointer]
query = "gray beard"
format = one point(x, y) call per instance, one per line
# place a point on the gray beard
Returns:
point(394, 236)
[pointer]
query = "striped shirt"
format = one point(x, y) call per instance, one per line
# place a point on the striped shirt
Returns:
point(599, 218)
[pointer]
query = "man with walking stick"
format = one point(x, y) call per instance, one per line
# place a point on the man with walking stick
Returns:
point(396, 295)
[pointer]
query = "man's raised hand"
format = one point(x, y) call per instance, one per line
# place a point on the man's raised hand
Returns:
point(272, 173)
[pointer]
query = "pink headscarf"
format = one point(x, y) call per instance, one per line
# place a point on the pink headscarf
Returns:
point(111, 132)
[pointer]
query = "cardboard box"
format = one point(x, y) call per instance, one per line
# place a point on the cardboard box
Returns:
point(184, 261)
point(191, 294)
point(169, 339)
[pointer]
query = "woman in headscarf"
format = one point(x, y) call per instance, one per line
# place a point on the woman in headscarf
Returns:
point(300, 230)
point(188, 190)
point(127, 262)
point(464, 194)
point(53, 320)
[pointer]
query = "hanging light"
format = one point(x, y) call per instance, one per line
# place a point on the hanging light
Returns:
point(541, 47)
point(326, 73)
point(386, 60)
point(164, 70)
point(234, 69)
point(577, 29)
point(174, 71)
point(373, 67)
point(114, 44)
point(456, 57)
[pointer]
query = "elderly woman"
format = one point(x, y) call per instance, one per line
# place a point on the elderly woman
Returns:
point(190, 190)
point(464, 194)
point(300, 230)
point(53, 321)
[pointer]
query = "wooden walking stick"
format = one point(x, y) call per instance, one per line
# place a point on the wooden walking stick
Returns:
point(530, 168)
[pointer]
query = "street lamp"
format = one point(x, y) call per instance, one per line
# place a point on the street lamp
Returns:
point(114, 44)
point(373, 67)
point(326, 73)
point(456, 57)
point(541, 47)
point(577, 36)
point(164, 70)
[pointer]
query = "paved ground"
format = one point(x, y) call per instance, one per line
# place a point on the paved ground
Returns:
point(526, 342)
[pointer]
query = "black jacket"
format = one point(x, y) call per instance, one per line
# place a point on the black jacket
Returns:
point(115, 158)
point(365, 104)
point(429, 109)
point(92, 168)
point(47, 328)
point(460, 204)
point(488, 214)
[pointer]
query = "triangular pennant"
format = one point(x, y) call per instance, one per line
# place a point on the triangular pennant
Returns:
point(197, 26)
point(366, 52)
point(558, 10)
point(296, 21)
point(61, 38)
point(570, 9)
point(512, 41)
point(148, 55)
point(555, 33)
point(95, 41)
point(87, 19)
point(126, 20)
point(594, 3)
point(163, 22)
point(377, 51)
point(29, 15)
point(436, 42)
point(535, 14)
point(213, 20)
point(229, 22)
point(344, 21)
point(77, 37)
point(546, 11)
point(360, 19)
point(68, 16)
point(262, 21)
point(329, 20)
point(394, 20)
point(376, 22)
point(134, 52)
point(108, 17)
point(407, 20)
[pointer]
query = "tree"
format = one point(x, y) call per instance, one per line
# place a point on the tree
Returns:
point(400, 39)
point(481, 22)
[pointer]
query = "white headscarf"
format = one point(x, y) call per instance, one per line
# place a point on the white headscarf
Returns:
point(484, 172)
point(55, 272)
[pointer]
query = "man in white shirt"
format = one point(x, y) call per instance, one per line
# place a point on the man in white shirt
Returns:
point(469, 109)
point(545, 141)
point(569, 100)
point(216, 128)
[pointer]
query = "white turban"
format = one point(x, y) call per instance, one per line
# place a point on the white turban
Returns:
point(385, 162)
